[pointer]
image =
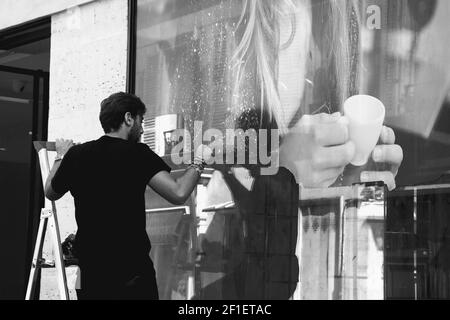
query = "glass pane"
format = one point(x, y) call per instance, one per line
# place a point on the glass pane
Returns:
point(341, 241)
point(277, 71)
point(16, 115)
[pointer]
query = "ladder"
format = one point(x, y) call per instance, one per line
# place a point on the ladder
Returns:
point(48, 219)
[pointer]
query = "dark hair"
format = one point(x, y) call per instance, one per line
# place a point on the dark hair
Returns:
point(114, 108)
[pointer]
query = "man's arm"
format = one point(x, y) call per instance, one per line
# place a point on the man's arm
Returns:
point(176, 191)
point(49, 192)
point(62, 146)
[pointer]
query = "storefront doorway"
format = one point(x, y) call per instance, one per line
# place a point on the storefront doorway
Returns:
point(24, 97)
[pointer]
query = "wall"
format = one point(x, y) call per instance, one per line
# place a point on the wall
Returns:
point(15, 12)
point(88, 62)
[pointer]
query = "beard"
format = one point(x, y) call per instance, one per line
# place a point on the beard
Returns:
point(135, 134)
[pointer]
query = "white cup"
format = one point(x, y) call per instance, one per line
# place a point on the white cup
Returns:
point(365, 115)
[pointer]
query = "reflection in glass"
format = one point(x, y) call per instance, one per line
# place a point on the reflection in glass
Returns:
point(261, 64)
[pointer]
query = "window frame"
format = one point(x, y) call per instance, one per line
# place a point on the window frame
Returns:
point(131, 44)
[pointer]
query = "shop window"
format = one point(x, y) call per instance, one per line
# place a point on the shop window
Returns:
point(265, 65)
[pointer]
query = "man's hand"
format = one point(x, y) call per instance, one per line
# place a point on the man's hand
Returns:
point(62, 146)
point(390, 155)
point(317, 150)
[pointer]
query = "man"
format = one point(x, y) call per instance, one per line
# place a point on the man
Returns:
point(107, 178)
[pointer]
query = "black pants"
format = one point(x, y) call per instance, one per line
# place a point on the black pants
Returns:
point(140, 287)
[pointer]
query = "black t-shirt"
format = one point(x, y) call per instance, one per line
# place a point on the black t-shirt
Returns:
point(107, 178)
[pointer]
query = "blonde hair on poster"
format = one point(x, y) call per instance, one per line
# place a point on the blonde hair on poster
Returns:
point(260, 45)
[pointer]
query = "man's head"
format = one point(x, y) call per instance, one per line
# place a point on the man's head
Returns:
point(123, 112)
